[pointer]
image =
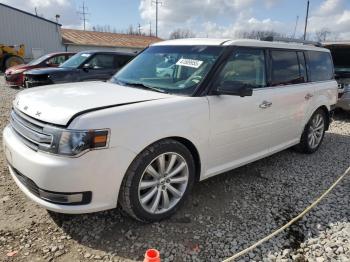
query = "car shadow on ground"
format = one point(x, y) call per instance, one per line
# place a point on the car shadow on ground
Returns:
point(230, 208)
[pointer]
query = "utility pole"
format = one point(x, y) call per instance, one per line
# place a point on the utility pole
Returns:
point(83, 14)
point(150, 28)
point(306, 19)
point(36, 11)
point(139, 26)
point(157, 2)
point(296, 26)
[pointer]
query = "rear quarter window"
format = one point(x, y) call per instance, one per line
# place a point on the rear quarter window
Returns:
point(320, 66)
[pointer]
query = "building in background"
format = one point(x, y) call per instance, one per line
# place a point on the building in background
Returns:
point(39, 35)
point(79, 40)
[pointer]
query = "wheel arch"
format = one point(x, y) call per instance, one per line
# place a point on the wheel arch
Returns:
point(194, 151)
point(189, 145)
point(327, 113)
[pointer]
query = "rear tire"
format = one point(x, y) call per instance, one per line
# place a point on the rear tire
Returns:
point(12, 61)
point(313, 133)
point(157, 181)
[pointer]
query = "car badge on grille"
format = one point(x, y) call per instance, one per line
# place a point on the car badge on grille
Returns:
point(38, 113)
point(25, 108)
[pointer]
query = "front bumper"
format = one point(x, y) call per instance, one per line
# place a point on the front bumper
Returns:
point(99, 172)
point(344, 101)
point(30, 81)
point(14, 80)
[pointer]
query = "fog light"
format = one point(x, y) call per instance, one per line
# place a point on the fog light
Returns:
point(65, 198)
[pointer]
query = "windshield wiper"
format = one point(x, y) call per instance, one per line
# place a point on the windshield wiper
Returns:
point(141, 85)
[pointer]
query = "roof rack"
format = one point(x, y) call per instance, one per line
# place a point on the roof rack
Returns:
point(290, 40)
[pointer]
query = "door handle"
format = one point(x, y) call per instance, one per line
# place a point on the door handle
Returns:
point(308, 96)
point(265, 104)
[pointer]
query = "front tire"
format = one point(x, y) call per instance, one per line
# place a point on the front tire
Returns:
point(157, 181)
point(313, 134)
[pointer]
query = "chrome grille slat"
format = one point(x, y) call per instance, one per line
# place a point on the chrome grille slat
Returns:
point(25, 122)
point(30, 133)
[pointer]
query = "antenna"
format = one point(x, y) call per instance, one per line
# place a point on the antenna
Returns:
point(157, 2)
point(296, 26)
point(83, 12)
point(306, 19)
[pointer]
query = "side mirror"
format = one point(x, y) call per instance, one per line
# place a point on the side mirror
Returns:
point(234, 89)
point(87, 67)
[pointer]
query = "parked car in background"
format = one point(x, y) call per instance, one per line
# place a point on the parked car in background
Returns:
point(84, 66)
point(14, 75)
point(341, 58)
point(142, 140)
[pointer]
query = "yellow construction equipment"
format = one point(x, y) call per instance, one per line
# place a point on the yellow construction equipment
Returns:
point(11, 56)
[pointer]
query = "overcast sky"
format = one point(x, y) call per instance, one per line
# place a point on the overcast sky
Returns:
point(213, 18)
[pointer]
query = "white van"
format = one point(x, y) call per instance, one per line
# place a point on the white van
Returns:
point(143, 138)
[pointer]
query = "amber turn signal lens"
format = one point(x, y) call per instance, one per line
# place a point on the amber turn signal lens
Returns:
point(100, 139)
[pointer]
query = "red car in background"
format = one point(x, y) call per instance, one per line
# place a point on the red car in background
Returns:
point(14, 75)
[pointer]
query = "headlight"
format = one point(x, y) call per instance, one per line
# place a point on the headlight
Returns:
point(76, 142)
point(18, 71)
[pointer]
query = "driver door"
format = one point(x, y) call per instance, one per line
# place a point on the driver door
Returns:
point(240, 127)
point(101, 67)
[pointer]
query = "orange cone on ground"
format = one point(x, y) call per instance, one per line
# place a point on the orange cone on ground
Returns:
point(152, 255)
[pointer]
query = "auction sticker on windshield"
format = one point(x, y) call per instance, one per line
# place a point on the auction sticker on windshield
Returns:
point(189, 62)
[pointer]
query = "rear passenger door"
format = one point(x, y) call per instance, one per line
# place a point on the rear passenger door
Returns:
point(290, 98)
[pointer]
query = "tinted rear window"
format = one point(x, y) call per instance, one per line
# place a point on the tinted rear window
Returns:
point(320, 66)
point(285, 68)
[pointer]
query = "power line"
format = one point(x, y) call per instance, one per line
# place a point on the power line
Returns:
point(157, 2)
point(83, 13)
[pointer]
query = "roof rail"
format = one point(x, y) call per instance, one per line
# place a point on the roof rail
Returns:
point(290, 40)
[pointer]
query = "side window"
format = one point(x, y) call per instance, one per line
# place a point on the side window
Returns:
point(285, 68)
point(102, 61)
point(121, 60)
point(245, 66)
point(320, 66)
point(56, 60)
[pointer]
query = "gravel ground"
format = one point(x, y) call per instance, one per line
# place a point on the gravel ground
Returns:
point(223, 215)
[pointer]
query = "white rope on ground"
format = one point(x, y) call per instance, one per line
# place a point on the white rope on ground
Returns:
point(261, 241)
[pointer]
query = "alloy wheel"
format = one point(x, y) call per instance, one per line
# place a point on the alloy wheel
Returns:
point(316, 131)
point(163, 183)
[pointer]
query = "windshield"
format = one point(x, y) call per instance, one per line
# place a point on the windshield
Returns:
point(39, 60)
point(169, 69)
point(341, 59)
point(76, 60)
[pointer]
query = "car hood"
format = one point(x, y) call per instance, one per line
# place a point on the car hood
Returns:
point(17, 67)
point(58, 104)
point(49, 70)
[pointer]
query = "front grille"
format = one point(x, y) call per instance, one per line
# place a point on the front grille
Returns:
point(30, 131)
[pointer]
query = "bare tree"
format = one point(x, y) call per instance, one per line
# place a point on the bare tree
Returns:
point(181, 33)
point(322, 34)
point(131, 30)
point(257, 34)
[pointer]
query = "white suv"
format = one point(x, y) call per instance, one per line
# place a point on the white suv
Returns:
point(141, 139)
